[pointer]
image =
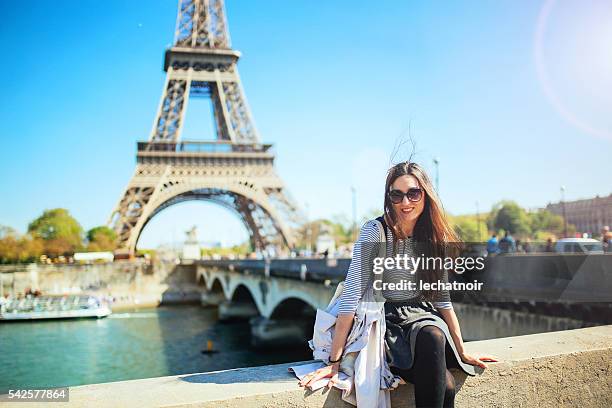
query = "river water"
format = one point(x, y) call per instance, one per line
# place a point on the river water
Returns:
point(147, 343)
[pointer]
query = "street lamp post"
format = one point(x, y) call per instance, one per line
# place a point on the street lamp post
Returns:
point(563, 209)
point(436, 161)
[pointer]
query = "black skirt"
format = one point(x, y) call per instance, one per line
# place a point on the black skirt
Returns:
point(404, 320)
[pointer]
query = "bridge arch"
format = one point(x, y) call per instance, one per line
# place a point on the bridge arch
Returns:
point(242, 293)
point(216, 286)
point(296, 297)
point(293, 308)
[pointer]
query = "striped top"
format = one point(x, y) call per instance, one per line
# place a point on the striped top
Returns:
point(358, 276)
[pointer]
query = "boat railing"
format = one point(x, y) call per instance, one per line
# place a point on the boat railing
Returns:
point(40, 304)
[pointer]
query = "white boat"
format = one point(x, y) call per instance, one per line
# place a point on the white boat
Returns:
point(53, 307)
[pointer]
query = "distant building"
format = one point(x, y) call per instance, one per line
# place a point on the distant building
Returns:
point(589, 215)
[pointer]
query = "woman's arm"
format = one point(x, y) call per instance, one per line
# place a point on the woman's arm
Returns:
point(450, 318)
point(355, 284)
point(344, 322)
point(452, 322)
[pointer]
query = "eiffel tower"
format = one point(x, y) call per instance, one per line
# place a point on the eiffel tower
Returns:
point(234, 169)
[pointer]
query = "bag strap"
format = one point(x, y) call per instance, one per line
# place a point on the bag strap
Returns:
point(381, 219)
point(382, 236)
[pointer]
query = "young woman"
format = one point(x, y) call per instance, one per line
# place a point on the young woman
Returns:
point(423, 333)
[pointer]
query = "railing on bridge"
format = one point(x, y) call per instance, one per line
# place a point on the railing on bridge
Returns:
point(312, 269)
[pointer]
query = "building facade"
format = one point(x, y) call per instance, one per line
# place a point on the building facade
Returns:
point(589, 215)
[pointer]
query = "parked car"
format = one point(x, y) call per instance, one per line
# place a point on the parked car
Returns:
point(579, 246)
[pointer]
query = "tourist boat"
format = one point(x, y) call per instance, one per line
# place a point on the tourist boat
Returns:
point(53, 307)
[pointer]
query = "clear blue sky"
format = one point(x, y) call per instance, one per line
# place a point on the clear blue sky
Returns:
point(331, 84)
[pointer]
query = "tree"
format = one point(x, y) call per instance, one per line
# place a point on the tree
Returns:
point(61, 233)
point(466, 226)
point(101, 238)
point(30, 249)
point(510, 217)
point(545, 223)
point(15, 248)
point(8, 249)
point(55, 247)
point(544, 220)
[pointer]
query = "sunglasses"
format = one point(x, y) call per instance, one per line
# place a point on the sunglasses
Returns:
point(413, 194)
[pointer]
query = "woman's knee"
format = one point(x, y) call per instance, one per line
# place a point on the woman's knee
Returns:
point(432, 337)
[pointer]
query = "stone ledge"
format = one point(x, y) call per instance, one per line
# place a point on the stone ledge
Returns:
point(570, 368)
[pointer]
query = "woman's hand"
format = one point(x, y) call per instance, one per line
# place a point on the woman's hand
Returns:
point(330, 371)
point(477, 361)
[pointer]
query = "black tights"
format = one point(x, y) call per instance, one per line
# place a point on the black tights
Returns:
point(434, 385)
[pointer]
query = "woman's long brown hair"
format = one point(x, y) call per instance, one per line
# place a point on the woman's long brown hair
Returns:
point(432, 231)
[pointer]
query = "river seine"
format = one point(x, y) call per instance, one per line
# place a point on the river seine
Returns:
point(148, 343)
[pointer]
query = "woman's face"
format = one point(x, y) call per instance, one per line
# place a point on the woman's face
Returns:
point(408, 211)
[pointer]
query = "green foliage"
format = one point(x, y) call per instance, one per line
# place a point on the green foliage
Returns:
point(466, 226)
point(101, 238)
point(510, 217)
point(101, 231)
point(544, 220)
point(61, 233)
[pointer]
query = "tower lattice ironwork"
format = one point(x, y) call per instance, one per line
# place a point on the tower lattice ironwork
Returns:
point(234, 169)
